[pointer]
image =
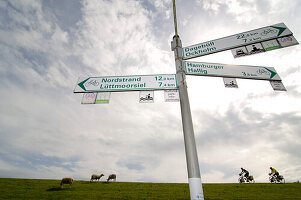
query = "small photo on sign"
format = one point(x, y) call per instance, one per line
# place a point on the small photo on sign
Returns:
point(238, 52)
point(89, 98)
point(270, 45)
point(103, 98)
point(255, 48)
point(287, 41)
point(146, 97)
point(171, 96)
point(230, 83)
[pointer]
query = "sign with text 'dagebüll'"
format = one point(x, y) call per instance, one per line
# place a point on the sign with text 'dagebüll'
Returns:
point(238, 40)
point(126, 83)
point(231, 71)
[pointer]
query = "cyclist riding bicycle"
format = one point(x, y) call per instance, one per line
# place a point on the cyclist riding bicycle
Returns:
point(274, 172)
point(244, 171)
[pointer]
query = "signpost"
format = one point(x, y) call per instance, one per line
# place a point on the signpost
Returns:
point(233, 71)
point(238, 40)
point(246, 43)
point(126, 83)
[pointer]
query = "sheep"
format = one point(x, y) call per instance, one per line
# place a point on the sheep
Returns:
point(112, 176)
point(96, 177)
point(66, 181)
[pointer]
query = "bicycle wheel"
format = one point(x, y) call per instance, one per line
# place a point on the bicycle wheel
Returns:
point(282, 180)
point(271, 179)
point(241, 180)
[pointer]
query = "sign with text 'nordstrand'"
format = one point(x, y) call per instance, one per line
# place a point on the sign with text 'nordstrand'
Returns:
point(237, 40)
point(231, 71)
point(126, 83)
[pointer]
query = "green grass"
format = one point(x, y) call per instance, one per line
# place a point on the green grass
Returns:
point(50, 189)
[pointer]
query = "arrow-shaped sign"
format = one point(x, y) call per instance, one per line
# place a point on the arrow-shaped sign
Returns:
point(233, 71)
point(126, 83)
point(237, 40)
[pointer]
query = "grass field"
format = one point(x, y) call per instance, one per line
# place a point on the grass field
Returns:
point(50, 189)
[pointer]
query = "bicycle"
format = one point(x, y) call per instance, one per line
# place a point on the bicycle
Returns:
point(276, 179)
point(243, 179)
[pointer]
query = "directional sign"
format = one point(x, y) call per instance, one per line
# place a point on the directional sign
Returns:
point(126, 83)
point(237, 40)
point(233, 71)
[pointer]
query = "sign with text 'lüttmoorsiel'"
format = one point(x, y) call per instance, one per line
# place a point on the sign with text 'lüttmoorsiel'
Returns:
point(238, 40)
point(126, 83)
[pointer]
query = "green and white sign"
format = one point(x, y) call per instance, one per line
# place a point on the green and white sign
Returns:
point(237, 40)
point(231, 71)
point(126, 83)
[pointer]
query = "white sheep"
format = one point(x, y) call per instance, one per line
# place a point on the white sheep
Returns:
point(66, 181)
point(112, 176)
point(96, 177)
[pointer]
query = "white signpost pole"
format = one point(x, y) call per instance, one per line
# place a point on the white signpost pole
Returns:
point(194, 175)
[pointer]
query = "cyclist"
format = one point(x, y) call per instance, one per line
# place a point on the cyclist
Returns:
point(244, 171)
point(274, 172)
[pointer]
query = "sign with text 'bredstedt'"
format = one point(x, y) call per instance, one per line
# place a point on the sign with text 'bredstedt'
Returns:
point(232, 71)
point(237, 40)
point(126, 83)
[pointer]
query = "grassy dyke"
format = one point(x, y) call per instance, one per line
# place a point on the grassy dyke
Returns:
point(50, 189)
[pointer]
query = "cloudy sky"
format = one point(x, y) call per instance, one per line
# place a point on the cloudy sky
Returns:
point(47, 133)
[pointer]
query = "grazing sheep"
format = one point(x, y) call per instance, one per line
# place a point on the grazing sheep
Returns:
point(112, 176)
point(66, 181)
point(96, 177)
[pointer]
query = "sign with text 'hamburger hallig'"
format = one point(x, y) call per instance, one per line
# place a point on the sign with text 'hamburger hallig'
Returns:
point(231, 71)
